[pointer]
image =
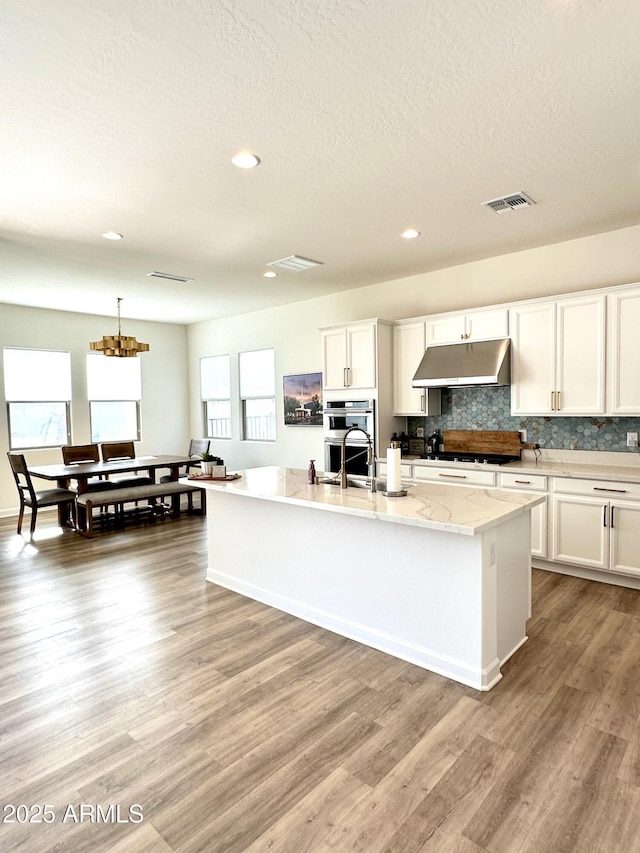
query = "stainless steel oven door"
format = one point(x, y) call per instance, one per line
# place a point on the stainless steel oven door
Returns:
point(337, 421)
point(356, 458)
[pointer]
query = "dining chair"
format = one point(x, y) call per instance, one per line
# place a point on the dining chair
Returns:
point(197, 446)
point(33, 499)
point(76, 454)
point(115, 450)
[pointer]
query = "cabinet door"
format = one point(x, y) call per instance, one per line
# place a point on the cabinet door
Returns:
point(446, 330)
point(580, 531)
point(539, 531)
point(492, 323)
point(334, 359)
point(624, 353)
point(579, 386)
point(408, 349)
point(624, 529)
point(532, 330)
point(361, 356)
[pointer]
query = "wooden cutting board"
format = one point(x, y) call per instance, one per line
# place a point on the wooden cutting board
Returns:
point(501, 442)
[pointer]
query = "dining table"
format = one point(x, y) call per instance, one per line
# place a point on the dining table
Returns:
point(82, 472)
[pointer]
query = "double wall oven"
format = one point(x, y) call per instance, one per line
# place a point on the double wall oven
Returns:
point(338, 417)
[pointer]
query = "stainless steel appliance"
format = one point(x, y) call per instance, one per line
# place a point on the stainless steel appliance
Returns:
point(465, 456)
point(338, 417)
point(478, 363)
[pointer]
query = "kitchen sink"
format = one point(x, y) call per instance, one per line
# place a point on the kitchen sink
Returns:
point(354, 482)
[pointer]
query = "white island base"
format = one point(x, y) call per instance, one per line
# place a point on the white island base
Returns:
point(454, 604)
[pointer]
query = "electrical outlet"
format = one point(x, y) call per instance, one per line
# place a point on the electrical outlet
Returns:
point(632, 439)
point(523, 436)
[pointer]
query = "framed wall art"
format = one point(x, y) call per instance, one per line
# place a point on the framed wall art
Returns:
point(303, 399)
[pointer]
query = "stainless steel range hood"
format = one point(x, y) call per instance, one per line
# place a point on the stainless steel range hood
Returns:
point(478, 363)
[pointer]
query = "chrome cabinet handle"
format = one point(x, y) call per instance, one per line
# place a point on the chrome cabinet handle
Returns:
point(557, 401)
point(454, 476)
point(552, 406)
point(617, 491)
point(423, 402)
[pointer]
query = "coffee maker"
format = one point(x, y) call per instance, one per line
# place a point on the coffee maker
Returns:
point(433, 444)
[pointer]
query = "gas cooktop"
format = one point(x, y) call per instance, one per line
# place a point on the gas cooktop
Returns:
point(462, 456)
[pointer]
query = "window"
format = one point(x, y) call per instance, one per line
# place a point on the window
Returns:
point(257, 392)
point(38, 393)
point(215, 392)
point(114, 389)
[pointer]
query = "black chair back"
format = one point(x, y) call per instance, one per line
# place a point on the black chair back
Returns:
point(117, 450)
point(75, 454)
point(22, 477)
point(198, 446)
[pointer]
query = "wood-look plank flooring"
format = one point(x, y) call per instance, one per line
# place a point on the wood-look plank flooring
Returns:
point(126, 679)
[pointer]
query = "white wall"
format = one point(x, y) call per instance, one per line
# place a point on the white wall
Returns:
point(602, 260)
point(164, 415)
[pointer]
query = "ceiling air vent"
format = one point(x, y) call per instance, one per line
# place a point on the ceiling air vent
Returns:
point(169, 276)
point(509, 202)
point(295, 264)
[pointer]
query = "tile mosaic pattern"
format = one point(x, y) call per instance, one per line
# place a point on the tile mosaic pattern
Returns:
point(490, 408)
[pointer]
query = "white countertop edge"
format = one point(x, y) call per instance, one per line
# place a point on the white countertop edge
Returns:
point(240, 487)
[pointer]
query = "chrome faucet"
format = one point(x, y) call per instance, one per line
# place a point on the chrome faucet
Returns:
point(368, 451)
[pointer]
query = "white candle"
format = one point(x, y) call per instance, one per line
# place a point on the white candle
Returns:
point(394, 483)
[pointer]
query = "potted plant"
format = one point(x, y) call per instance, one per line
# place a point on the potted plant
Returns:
point(207, 462)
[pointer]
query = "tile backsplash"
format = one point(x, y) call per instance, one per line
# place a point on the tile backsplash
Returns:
point(490, 408)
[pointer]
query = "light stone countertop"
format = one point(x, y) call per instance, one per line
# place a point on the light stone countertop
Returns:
point(627, 471)
point(456, 509)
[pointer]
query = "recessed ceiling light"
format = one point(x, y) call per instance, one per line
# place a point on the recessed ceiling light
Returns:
point(112, 235)
point(270, 274)
point(410, 233)
point(245, 160)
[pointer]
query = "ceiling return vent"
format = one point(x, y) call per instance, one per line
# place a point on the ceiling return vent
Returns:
point(295, 263)
point(509, 202)
point(169, 276)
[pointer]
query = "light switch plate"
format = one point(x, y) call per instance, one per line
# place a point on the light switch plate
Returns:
point(632, 439)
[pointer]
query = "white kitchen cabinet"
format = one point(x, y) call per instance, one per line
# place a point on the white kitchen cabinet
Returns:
point(408, 349)
point(557, 358)
point(531, 483)
point(596, 524)
point(467, 326)
point(623, 355)
point(349, 356)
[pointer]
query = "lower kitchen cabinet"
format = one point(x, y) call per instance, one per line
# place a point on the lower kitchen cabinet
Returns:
point(596, 524)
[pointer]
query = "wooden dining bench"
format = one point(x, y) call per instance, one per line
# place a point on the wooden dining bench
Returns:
point(119, 496)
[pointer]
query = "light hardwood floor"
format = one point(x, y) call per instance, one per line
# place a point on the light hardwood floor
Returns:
point(127, 679)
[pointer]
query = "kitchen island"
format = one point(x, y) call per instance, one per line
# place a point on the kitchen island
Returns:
point(440, 578)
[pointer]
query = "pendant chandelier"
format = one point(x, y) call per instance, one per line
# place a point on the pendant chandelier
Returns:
point(120, 346)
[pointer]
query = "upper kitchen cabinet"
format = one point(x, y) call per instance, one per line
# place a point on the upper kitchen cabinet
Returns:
point(349, 356)
point(623, 356)
point(467, 326)
point(557, 365)
point(408, 349)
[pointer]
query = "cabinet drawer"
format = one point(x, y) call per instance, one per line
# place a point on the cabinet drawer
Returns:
point(526, 482)
point(455, 476)
point(606, 489)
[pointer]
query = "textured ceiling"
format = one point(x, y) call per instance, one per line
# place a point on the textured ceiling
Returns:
point(369, 117)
